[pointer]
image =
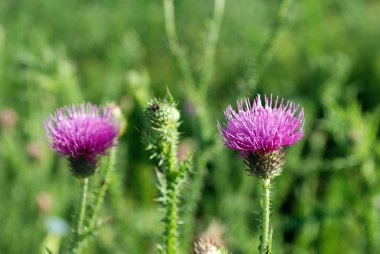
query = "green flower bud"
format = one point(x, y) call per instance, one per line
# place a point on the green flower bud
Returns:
point(162, 113)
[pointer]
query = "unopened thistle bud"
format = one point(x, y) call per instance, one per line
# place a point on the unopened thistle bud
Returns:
point(162, 113)
point(82, 134)
point(260, 132)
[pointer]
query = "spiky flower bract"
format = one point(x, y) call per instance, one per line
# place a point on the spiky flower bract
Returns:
point(82, 133)
point(259, 132)
point(162, 113)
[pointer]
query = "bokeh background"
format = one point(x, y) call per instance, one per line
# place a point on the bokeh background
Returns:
point(326, 56)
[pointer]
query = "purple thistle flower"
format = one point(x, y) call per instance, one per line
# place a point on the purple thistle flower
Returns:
point(82, 133)
point(262, 131)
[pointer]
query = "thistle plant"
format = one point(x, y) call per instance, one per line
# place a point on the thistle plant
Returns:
point(163, 118)
point(259, 133)
point(83, 134)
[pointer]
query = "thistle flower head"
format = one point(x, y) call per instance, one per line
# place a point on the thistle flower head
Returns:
point(259, 132)
point(82, 133)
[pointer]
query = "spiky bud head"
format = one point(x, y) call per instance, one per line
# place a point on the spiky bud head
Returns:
point(162, 113)
point(265, 166)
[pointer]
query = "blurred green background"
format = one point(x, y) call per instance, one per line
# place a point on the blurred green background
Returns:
point(326, 57)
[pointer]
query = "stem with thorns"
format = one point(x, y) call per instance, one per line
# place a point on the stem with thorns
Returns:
point(172, 193)
point(164, 120)
point(171, 218)
point(264, 238)
point(76, 245)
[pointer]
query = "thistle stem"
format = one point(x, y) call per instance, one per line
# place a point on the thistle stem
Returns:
point(77, 239)
point(102, 189)
point(209, 54)
point(175, 47)
point(83, 206)
point(265, 53)
point(264, 239)
point(171, 219)
point(171, 216)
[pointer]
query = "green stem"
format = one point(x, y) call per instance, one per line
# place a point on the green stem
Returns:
point(208, 61)
point(192, 198)
point(265, 53)
point(176, 49)
point(370, 221)
point(99, 199)
point(171, 216)
point(83, 206)
point(264, 239)
point(76, 245)
point(169, 139)
point(171, 219)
